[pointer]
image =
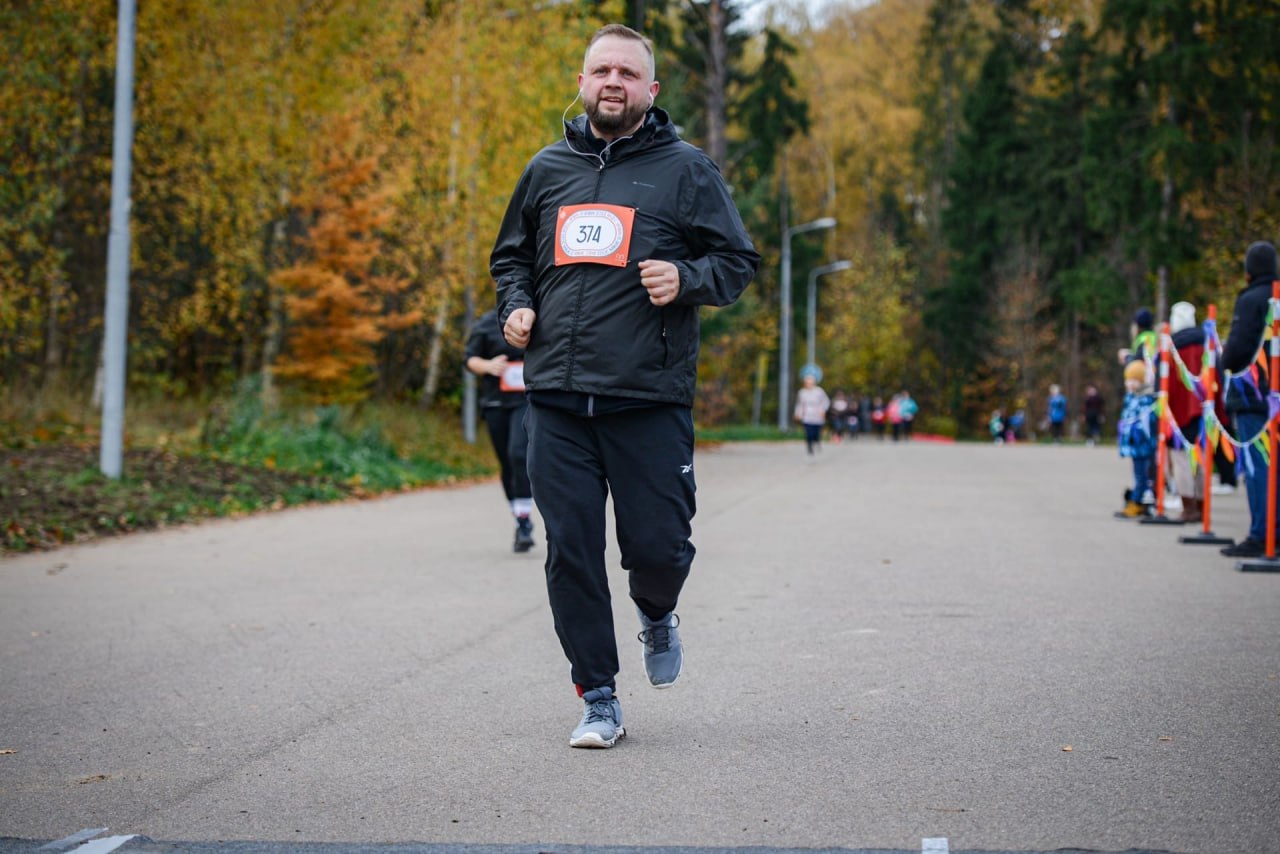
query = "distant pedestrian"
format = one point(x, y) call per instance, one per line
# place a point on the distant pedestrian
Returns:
point(838, 415)
point(995, 426)
point(854, 418)
point(1017, 426)
point(812, 404)
point(893, 413)
point(1093, 415)
point(878, 417)
point(907, 408)
point(1057, 412)
point(502, 405)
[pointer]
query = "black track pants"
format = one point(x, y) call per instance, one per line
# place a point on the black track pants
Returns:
point(510, 443)
point(645, 457)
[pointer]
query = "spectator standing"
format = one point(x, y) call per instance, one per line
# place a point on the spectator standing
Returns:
point(1137, 434)
point(1185, 406)
point(1247, 384)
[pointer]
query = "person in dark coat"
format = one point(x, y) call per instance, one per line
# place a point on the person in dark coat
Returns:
point(615, 236)
point(1246, 385)
point(502, 404)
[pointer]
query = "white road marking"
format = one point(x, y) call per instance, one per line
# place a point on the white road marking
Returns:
point(934, 845)
point(72, 840)
point(103, 846)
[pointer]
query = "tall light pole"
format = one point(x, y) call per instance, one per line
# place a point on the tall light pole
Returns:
point(784, 338)
point(115, 327)
point(833, 267)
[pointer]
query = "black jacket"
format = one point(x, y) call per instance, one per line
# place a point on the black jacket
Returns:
point(596, 332)
point(1248, 323)
point(486, 341)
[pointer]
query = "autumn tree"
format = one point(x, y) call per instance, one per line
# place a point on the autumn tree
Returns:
point(336, 297)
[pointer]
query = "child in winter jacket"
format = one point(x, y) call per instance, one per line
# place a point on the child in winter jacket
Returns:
point(1137, 429)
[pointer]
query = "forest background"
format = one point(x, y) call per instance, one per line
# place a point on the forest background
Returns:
point(317, 185)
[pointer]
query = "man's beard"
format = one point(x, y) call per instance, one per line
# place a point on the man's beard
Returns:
point(611, 123)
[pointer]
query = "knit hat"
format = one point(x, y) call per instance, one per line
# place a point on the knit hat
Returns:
point(811, 370)
point(1136, 370)
point(1144, 318)
point(1182, 316)
point(1260, 260)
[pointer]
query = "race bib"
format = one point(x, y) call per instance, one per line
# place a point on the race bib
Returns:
point(594, 234)
point(512, 378)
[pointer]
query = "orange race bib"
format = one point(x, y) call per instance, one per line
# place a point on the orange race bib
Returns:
point(512, 378)
point(594, 234)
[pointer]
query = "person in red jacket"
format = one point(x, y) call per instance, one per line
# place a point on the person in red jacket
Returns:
point(1185, 405)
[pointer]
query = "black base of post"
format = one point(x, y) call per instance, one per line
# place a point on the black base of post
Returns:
point(1161, 520)
point(1259, 564)
point(1206, 539)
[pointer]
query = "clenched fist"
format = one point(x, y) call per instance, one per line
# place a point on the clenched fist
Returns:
point(519, 327)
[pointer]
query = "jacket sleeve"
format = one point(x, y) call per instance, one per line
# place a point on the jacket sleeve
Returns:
point(1247, 325)
point(722, 259)
point(512, 261)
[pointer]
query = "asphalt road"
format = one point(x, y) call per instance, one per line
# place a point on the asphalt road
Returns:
point(904, 647)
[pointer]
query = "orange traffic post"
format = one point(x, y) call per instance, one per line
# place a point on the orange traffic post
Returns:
point(1268, 562)
point(1162, 444)
point(1209, 385)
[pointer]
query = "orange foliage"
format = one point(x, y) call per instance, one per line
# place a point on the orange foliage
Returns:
point(339, 305)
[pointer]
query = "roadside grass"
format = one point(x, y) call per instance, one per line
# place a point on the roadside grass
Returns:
point(189, 460)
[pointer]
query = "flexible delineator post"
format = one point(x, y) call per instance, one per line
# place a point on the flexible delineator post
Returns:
point(1162, 407)
point(1271, 420)
point(1209, 382)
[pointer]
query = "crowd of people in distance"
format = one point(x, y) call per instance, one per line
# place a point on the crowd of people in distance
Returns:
point(844, 415)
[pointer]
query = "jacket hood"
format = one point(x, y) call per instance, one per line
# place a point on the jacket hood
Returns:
point(1260, 260)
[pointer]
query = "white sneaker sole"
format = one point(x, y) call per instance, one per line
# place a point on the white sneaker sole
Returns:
point(594, 739)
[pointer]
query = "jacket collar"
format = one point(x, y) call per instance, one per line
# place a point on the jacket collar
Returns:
point(656, 130)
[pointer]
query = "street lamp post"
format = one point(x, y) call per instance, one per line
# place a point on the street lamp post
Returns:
point(833, 267)
point(784, 338)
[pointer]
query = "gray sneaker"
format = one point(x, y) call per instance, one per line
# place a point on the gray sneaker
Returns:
point(601, 724)
point(663, 652)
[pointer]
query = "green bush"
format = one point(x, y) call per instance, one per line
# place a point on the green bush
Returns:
point(939, 425)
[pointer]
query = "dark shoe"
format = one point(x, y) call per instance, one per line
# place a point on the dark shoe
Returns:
point(524, 535)
point(1191, 511)
point(1245, 548)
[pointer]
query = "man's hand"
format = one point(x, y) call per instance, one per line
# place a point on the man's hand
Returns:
point(519, 327)
point(661, 279)
point(496, 366)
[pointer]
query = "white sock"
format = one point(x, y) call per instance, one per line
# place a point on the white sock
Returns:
point(521, 507)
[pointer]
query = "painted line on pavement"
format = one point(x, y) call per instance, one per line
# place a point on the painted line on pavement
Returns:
point(935, 845)
point(103, 846)
point(72, 840)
